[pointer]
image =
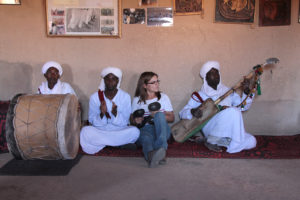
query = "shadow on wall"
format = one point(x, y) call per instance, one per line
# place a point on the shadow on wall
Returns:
point(194, 85)
point(83, 99)
point(133, 78)
point(14, 78)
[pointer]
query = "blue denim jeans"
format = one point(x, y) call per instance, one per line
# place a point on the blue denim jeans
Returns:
point(155, 136)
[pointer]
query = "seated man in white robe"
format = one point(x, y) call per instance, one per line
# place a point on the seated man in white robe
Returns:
point(109, 112)
point(52, 72)
point(226, 128)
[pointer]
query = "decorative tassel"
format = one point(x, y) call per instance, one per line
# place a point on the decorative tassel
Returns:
point(258, 87)
point(258, 70)
point(220, 107)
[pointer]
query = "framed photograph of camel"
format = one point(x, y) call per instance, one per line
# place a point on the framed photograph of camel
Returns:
point(92, 18)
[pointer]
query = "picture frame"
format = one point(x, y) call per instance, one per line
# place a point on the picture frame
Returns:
point(134, 15)
point(148, 2)
point(10, 2)
point(160, 16)
point(228, 12)
point(91, 18)
point(299, 13)
point(274, 12)
point(188, 7)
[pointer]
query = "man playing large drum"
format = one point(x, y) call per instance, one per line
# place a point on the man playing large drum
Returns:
point(109, 111)
point(52, 72)
point(45, 125)
point(226, 128)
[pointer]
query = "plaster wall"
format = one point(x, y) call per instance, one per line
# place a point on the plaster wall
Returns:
point(175, 53)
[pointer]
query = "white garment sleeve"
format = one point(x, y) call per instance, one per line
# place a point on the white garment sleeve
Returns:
point(134, 106)
point(167, 106)
point(124, 110)
point(185, 113)
point(236, 100)
point(94, 112)
point(67, 89)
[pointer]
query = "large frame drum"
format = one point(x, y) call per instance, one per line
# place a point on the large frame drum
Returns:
point(43, 127)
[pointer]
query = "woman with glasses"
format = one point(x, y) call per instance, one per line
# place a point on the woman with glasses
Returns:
point(157, 112)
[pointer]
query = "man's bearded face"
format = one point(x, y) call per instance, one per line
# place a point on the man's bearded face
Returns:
point(213, 78)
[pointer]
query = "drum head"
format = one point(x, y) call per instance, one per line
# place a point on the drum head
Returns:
point(68, 127)
point(43, 126)
point(9, 129)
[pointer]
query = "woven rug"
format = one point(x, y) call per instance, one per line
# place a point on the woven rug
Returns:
point(268, 147)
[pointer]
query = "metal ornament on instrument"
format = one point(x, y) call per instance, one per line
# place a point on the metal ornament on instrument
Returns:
point(185, 128)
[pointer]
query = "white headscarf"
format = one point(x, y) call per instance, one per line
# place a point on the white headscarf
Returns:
point(113, 70)
point(209, 91)
point(54, 64)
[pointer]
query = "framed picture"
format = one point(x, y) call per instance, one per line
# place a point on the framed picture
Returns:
point(159, 16)
point(10, 2)
point(148, 2)
point(134, 15)
point(187, 7)
point(238, 11)
point(83, 18)
point(274, 12)
point(299, 13)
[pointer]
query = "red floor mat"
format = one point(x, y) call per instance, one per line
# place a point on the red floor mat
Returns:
point(268, 147)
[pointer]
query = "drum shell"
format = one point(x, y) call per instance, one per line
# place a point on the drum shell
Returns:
point(43, 127)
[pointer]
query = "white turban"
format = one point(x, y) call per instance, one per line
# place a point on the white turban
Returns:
point(209, 91)
point(208, 66)
point(110, 70)
point(54, 64)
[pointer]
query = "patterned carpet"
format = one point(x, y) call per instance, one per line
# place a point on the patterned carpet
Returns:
point(268, 147)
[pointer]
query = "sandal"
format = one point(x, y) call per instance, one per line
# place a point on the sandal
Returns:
point(213, 147)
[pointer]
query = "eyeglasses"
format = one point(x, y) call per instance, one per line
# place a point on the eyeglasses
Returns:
point(154, 82)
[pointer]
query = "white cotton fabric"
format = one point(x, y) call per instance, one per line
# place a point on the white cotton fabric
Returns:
point(209, 91)
point(164, 102)
point(108, 132)
point(59, 88)
point(227, 123)
point(113, 70)
point(54, 64)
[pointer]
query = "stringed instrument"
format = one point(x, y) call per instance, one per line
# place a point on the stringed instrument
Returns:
point(185, 128)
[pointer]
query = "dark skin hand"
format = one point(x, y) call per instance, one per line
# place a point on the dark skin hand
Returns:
point(197, 112)
point(111, 82)
point(136, 120)
point(246, 85)
point(52, 76)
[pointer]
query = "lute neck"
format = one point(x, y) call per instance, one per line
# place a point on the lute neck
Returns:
point(235, 87)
